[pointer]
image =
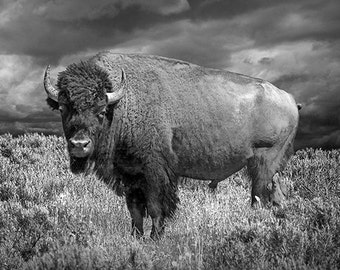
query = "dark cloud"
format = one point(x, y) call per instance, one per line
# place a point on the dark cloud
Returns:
point(269, 22)
point(297, 20)
point(41, 122)
point(49, 30)
point(19, 128)
point(45, 115)
point(320, 115)
point(23, 108)
point(212, 9)
point(287, 81)
point(190, 46)
point(7, 116)
point(312, 135)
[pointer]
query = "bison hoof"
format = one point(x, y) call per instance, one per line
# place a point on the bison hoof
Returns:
point(156, 235)
point(137, 234)
point(256, 202)
point(278, 193)
point(213, 186)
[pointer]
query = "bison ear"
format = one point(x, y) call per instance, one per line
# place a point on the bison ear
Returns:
point(52, 104)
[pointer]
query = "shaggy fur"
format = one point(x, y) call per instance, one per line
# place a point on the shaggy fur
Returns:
point(84, 85)
point(175, 119)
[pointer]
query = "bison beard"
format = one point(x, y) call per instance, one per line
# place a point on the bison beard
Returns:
point(172, 119)
point(149, 189)
point(140, 202)
point(78, 165)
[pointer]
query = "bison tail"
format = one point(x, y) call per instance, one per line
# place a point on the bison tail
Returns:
point(299, 106)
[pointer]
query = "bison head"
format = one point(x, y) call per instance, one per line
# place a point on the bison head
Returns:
point(84, 94)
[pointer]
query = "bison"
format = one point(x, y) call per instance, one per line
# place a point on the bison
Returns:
point(143, 121)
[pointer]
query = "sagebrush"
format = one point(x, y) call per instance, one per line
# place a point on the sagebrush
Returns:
point(52, 219)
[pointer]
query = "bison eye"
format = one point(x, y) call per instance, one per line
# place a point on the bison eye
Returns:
point(101, 114)
point(62, 108)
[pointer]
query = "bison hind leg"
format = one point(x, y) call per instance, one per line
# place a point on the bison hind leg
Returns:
point(262, 168)
point(213, 185)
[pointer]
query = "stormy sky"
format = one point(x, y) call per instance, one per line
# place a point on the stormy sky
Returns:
point(295, 44)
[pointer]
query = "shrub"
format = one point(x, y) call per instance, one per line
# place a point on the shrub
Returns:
point(51, 219)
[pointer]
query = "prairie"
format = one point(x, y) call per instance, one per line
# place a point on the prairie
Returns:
point(52, 219)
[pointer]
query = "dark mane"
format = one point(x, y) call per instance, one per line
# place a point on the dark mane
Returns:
point(84, 84)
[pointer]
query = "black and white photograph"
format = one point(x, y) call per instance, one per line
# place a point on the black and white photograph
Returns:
point(169, 134)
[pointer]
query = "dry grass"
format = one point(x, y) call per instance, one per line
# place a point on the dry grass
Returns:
point(51, 219)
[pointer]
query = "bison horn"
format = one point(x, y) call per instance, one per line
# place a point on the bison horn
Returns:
point(50, 90)
point(117, 95)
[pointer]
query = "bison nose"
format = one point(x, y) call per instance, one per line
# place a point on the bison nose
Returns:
point(80, 143)
point(80, 148)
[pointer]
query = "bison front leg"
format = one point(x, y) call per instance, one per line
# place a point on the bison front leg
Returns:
point(160, 206)
point(157, 227)
point(162, 201)
point(136, 204)
point(154, 206)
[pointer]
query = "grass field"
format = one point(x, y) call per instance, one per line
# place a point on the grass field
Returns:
point(51, 219)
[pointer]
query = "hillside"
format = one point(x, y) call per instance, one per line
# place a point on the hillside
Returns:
point(52, 219)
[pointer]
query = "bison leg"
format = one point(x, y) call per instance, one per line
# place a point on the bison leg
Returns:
point(162, 202)
point(136, 204)
point(160, 206)
point(154, 207)
point(157, 227)
point(262, 167)
point(213, 184)
point(261, 173)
